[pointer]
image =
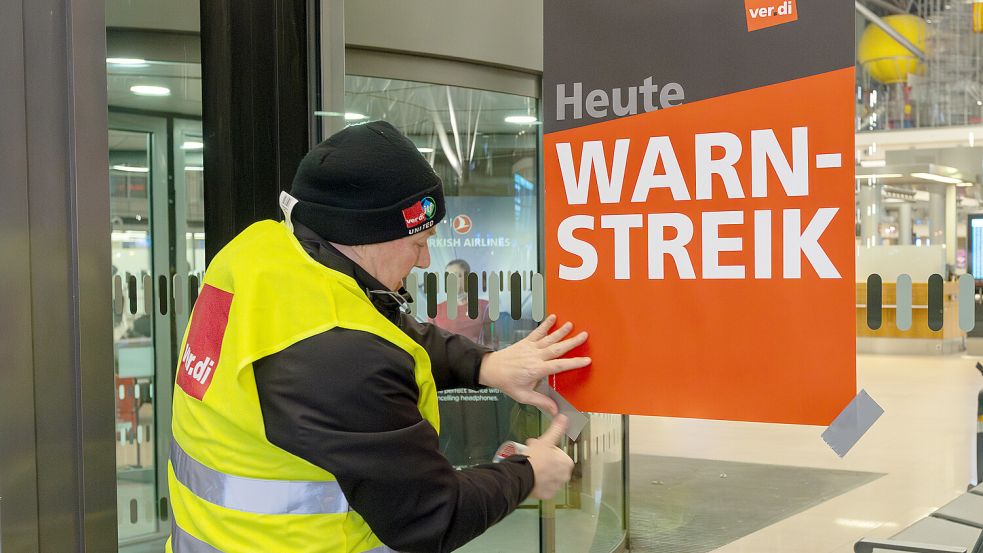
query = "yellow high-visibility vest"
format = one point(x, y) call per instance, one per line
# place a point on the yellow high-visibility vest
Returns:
point(231, 490)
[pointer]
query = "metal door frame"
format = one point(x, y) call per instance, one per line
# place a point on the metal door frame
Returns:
point(158, 197)
point(56, 427)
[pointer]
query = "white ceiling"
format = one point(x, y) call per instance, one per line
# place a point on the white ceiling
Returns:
point(127, 141)
point(415, 107)
point(871, 145)
point(169, 15)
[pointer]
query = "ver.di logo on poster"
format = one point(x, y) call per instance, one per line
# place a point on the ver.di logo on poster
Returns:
point(768, 13)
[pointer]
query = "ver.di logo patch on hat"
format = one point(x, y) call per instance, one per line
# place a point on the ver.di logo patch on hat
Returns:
point(420, 212)
point(429, 207)
point(414, 215)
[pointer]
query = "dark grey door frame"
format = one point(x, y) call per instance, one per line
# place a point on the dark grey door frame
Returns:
point(18, 470)
point(57, 461)
point(257, 114)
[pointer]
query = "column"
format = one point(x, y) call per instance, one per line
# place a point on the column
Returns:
point(332, 41)
point(950, 226)
point(870, 214)
point(904, 224)
point(57, 465)
point(936, 218)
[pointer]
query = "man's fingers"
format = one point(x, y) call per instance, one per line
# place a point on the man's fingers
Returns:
point(540, 401)
point(562, 365)
point(555, 432)
point(556, 335)
point(543, 329)
point(562, 348)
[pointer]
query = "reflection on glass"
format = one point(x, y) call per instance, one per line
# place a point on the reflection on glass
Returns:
point(488, 168)
point(157, 210)
point(154, 300)
point(590, 515)
point(133, 333)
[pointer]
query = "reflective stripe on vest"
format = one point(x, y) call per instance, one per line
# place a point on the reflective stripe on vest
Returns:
point(183, 542)
point(254, 495)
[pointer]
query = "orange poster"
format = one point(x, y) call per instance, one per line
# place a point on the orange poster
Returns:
point(700, 209)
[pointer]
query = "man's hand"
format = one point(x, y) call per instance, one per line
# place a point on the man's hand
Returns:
point(550, 465)
point(517, 369)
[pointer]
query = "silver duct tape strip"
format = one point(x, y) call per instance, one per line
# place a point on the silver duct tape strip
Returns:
point(118, 295)
point(852, 423)
point(411, 286)
point(494, 286)
point(538, 298)
point(902, 299)
point(148, 295)
point(577, 420)
point(451, 288)
point(180, 292)
point(967, 302)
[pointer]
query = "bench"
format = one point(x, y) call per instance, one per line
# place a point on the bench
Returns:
point(957, 527)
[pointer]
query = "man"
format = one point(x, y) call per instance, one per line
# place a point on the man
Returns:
point(305, 412)
point(478, 328)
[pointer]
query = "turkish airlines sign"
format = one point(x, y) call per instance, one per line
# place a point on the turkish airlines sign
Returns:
point(699, 206)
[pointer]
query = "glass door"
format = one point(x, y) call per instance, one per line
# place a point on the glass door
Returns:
point(481, 283)
point(143, 328)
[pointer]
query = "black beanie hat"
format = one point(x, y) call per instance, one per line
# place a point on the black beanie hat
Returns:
point(367, 184)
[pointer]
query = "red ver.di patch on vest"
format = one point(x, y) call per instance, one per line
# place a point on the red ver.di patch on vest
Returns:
point(201, 352)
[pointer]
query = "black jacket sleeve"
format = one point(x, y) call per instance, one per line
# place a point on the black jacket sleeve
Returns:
point(346, 401)
point(455, 359)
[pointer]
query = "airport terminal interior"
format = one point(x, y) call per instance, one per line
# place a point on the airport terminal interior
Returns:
point(463, 80)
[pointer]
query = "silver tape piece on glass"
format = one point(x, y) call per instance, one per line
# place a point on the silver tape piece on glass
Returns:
point(494, 286)
point(538, 297)
point(411, 288)
point(148, 295)
point(451, 289)
point(967, 302)
point(902, 300)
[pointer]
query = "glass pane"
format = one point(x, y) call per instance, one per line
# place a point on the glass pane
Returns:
point(703, 484)
point(895, 90)
point(153, 77)
point(590, 515)
point(133, 331)
point(488, 167)
point(484, 146)
point(189, 189)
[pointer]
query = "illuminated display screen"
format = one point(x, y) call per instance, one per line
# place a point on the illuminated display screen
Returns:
point(975, 261)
